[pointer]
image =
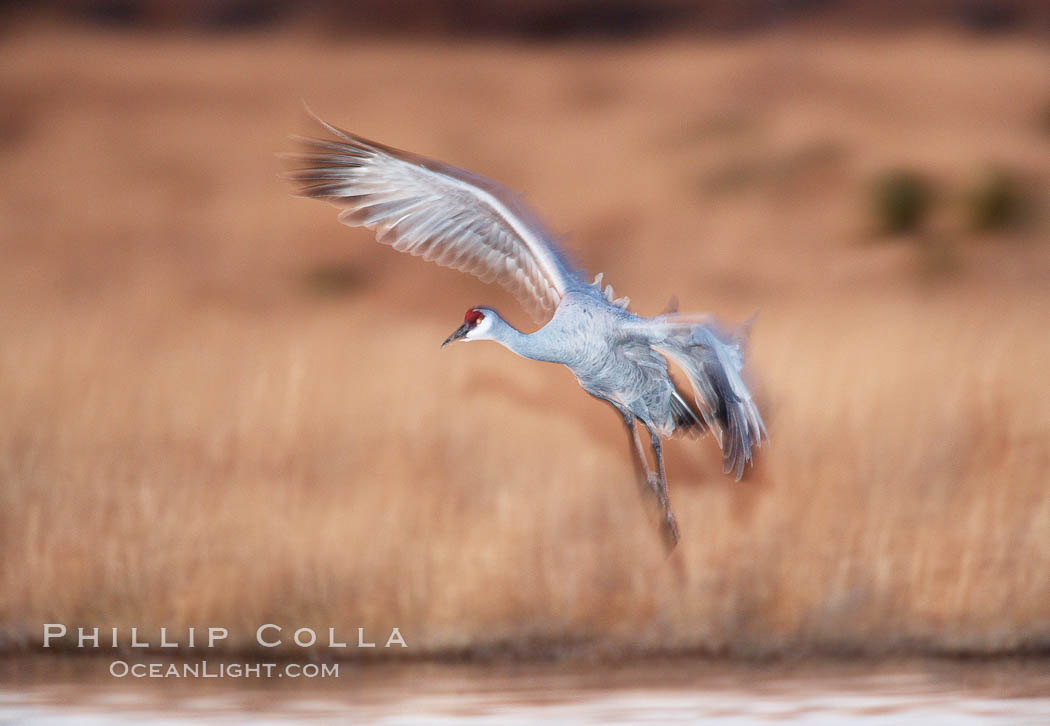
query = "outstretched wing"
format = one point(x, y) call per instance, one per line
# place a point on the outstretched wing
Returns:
point(713, 362)
point(444, 214)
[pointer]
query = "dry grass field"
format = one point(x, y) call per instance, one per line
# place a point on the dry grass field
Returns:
point(220, 407)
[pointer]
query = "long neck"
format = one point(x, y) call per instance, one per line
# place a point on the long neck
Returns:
point(535, 346)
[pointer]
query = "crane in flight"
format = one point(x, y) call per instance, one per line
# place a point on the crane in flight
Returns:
point(462, 220)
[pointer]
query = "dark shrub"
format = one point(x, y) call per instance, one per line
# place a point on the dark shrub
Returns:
point(996, 201)
point(900, 201)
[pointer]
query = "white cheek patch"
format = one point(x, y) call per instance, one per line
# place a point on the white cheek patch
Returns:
point(480, 329)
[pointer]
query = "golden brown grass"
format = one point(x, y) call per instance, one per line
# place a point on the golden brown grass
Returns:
point(194, 434)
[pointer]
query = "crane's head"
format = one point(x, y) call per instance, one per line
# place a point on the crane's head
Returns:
point(477, 324)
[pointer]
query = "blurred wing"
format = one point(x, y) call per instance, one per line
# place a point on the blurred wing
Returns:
point(713, 362)
point(444, 214)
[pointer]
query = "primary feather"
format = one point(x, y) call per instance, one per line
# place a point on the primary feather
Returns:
point(448, 215)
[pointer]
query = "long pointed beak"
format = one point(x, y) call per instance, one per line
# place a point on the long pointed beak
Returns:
point(461, 331)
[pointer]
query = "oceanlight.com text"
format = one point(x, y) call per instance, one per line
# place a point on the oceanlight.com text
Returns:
point(204, 669)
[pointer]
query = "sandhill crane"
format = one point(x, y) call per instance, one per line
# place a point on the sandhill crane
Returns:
point(461, 220)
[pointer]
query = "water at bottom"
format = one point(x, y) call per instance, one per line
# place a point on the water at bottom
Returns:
point(67, 691)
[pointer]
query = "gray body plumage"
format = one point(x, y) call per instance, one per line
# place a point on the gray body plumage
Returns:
point(593, 339)
point(461, 220)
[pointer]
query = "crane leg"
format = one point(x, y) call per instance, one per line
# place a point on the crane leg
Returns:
point(656, 481)
point(641, 463)
point(660, 487)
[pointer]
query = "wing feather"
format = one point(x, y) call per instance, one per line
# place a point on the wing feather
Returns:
point(444, 214)
point(713, 362)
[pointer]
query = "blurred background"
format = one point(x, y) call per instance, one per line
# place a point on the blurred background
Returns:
point(223, 407)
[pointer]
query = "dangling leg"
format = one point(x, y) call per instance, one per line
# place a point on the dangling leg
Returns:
point(641, 466)
point(660, 487)
point(656, 483)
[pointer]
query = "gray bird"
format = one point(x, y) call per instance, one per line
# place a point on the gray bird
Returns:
point(461, 220)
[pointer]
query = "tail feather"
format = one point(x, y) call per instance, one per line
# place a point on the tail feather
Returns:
point(713, 363)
